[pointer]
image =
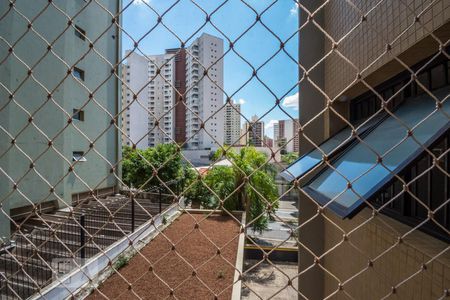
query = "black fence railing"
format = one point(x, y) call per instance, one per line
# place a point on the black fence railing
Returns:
point(27, 263)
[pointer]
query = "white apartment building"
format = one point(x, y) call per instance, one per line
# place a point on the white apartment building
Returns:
point(276, 132)
point(150, 117)
point(287, 134)
point(232, 124)
point(204, 96)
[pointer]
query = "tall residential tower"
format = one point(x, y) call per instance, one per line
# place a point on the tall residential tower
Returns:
point(177, 96)
point(232, 124)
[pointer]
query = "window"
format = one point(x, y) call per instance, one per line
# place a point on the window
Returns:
point(78, 156)
point(424, 79)
point(78, 73)
point(359, 159)
point(429, 189)
point(78, 114)
point(334, 145)
point(80, 33)
point(438, 79)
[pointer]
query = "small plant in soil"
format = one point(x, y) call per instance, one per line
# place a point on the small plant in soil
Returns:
point(221, 274)
point(121, 262)
point(164, 220)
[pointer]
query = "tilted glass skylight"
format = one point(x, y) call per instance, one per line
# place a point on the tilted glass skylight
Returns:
point(357, 174)
point(333, 145)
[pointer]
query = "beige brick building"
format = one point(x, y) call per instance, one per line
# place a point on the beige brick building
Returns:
point(362, 57)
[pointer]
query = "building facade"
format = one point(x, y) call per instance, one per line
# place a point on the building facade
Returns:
point(176, 96)
point(232, 124)
point(150, 97)
point(276, 131)
point(204, 96)
point(410, 34)
point(287, 135)
point(179, 94)
point(254, 132)
point(58, 139)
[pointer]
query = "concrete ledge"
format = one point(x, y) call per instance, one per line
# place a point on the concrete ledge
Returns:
point(72, 283)
point(237, 286)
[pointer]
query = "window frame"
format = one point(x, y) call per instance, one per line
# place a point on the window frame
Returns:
point(78, 114)
point(80, 72)
point(80, 33)
point(78, 156)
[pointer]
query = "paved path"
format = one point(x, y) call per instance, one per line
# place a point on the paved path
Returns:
point(278, 233)
point(270, 281)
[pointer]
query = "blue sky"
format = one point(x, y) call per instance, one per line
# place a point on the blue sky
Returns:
point(280, 74)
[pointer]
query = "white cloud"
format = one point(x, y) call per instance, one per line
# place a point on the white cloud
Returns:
point(140, 2)
point(240, 101)
point(291, 101)
point(294, 10)
point(270, 124)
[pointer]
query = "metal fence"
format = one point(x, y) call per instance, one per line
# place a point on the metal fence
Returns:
point(101, 142)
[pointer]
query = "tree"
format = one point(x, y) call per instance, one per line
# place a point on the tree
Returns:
point(248, 185)
point(140, 167)
point(289, 158)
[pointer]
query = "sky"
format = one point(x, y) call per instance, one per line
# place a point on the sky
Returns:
point(257, 45)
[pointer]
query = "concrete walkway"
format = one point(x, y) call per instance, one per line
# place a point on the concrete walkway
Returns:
point(280, 226)
point(270, 281)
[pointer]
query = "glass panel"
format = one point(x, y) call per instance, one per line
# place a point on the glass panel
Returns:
point(308, 161)
point(422, 188)
point(359, 164)
point(438, 184)
point(438, 76)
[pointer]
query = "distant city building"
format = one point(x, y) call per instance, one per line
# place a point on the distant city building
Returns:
point(232, 124)
point(179, 91)
point(149, 117)
point(268, 142)
point(204, 83)
point(243, 137)
point(287, 135)
point(163, 112)
point(276, 131)
point(254, 132)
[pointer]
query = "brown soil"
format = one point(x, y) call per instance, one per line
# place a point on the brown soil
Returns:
point(158, 267)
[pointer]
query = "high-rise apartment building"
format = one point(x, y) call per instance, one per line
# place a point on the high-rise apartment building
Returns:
point(178, 95)
point(276, 131)
point(150, 97)
point(232, 124)
point(287, 135)
point(204, 97)
point(380, 203)
point(71, 102)
point(254, 132)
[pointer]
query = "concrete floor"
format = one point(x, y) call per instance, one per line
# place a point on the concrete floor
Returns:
point(278, 233)
point(267, 281)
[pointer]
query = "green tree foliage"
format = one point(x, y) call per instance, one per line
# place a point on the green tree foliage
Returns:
point(289, 158)
point(248, 185)
point(139, 166)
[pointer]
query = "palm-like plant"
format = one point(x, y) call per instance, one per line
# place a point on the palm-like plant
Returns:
point(248, 185)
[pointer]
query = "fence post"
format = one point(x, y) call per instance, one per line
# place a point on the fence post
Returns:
point(160, 209)
point(82, 237)
point(132, 212)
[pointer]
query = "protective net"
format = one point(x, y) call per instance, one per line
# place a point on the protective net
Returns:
point(234, 149)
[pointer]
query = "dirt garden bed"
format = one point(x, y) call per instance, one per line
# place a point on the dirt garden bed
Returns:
point(159, 268)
